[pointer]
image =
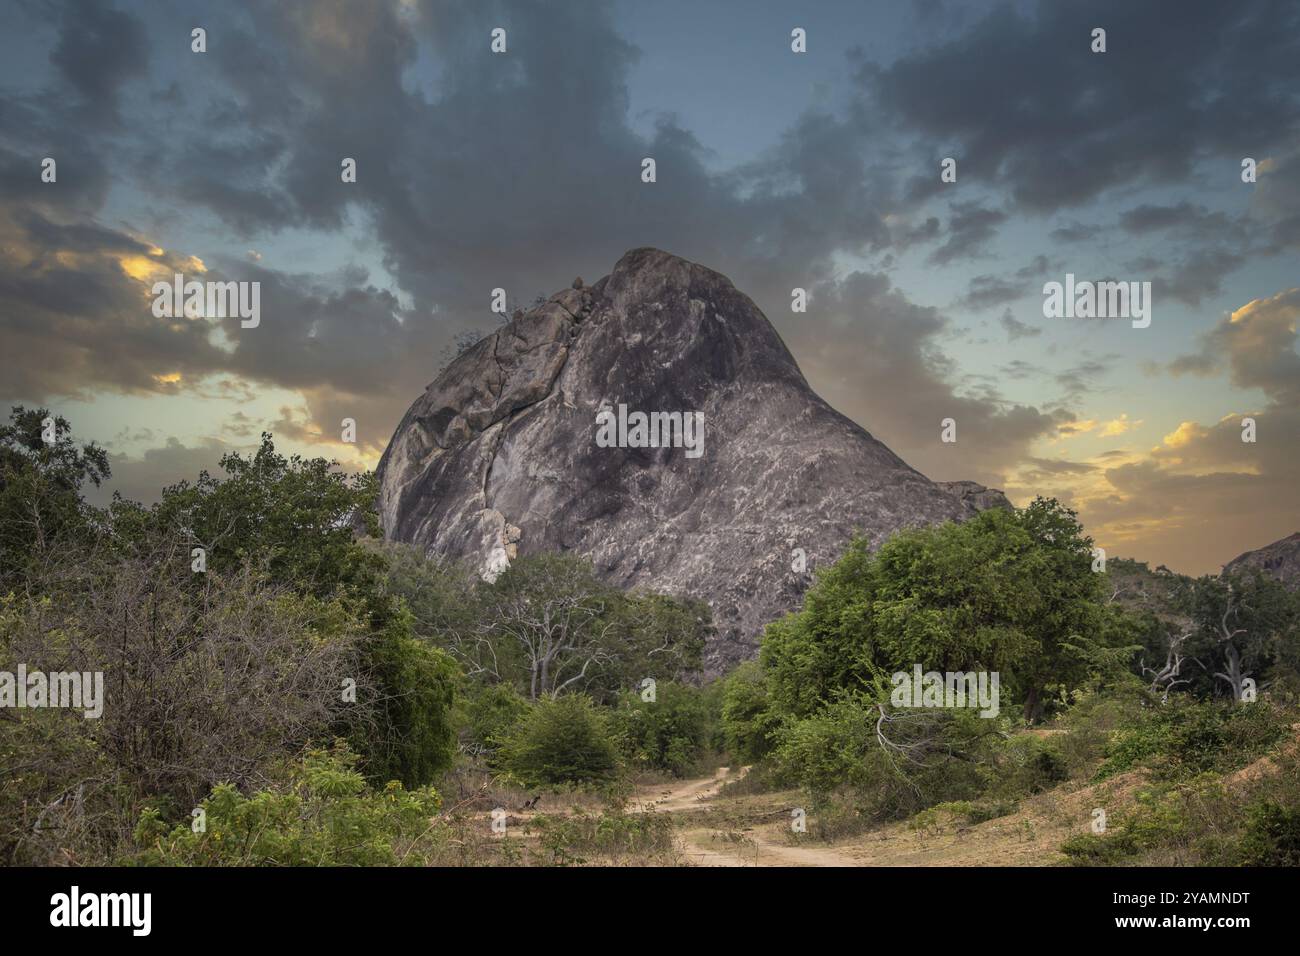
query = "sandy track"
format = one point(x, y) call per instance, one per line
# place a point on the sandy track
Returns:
point(705, 846)
point(685, 795)
point(724, 830)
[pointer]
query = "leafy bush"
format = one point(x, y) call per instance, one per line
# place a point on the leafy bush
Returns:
point(325, 817)
point(561, 740)
point(1026, 765)
point(970, 813)
point(415, 738)
point(1092, 722)
point(612, 833)
point(1272, 835)
point(204, 682)
point(895, 761)
point(834, 746)
point(1185, 737)
point(1200, 822)
point(669, 733)
point(1101, 849)
point(487, 714)
point(748, 722)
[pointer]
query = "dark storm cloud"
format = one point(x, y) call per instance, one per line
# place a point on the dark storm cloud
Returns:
point(76, 319)
point(81, 320)
point(971, 227)
point(318, 331)
point(99, 48)
point(1034, 110)
point(1276, 200)
point(987, 291)
point(1184, 218)
point(516, 172)
point(878, 364)
point(519, 171)
point(32, 129)
point(1198, 276)
point(905, 235)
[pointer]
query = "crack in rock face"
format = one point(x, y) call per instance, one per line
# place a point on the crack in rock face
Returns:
point(499, 456)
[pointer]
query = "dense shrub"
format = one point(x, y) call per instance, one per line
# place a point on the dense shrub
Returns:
point(487, 714)
point(207, 683)
point(416, 685)
point(561, 740)
point(1207, 820)
point(1025, 765)
point(748, 721)
point(326, 816)
point(1184, 737)
point(1272, 835)
point(669, 733)
point(1008, 591)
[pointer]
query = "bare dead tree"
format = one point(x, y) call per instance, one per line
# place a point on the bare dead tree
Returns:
point(1226, 638)
point(1169, 675)
point(913, 739)
point(562, 636)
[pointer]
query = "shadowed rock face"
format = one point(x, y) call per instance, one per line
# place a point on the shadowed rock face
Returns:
point(499, 456)
point(1279, 560)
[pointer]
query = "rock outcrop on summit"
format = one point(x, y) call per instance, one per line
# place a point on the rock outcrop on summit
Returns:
point(1279, 560)
point(499, 456)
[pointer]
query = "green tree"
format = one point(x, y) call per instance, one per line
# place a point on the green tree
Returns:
point(297, 521)
point(40, 488)
point(1010, 590)
point(487, 715)
point(748, 720)
point(1246, 624)
point(668, 733)
point(409, 735)
point(294, 517)
point(561, 740)
point(548, 625)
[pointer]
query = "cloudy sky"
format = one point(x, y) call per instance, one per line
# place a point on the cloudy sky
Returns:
point(820, 170)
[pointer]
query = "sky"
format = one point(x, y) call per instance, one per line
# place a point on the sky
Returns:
point(819, 170)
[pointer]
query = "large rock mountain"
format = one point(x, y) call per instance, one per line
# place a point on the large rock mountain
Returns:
point(1279, 560)
point(499, 456)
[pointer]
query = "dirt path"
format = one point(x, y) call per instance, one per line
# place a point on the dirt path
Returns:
point(684, 795)
point(702, 847)
point(720, 829)
point(717, 825)
point(694, 803)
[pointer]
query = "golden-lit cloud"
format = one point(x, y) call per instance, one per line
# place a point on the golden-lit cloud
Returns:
point(1073, 429)
point(141, 268)
point(1118, 426)
point(1209, 491)
point(1185, 433)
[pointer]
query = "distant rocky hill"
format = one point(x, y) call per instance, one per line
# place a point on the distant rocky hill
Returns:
point(1279, 560)
point(504, 454)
